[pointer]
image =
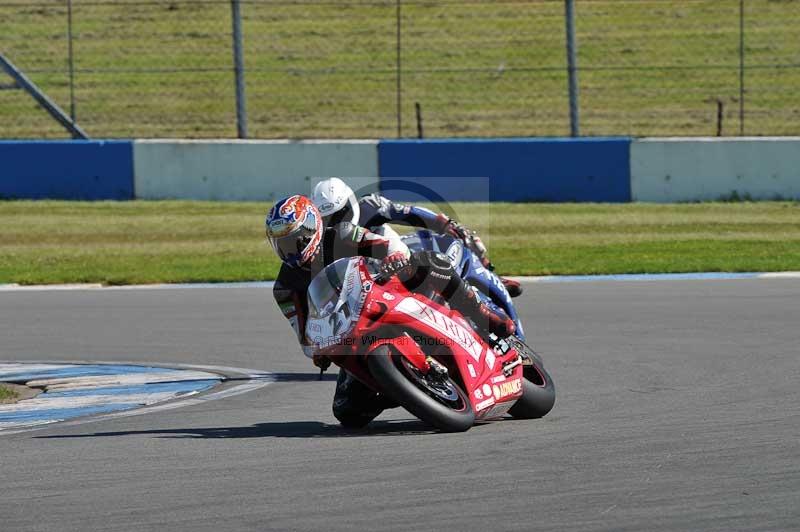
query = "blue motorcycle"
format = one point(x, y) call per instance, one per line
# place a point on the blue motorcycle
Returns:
point(490, 289)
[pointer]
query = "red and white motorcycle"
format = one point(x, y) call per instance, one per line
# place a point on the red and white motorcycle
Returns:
point(414, 349)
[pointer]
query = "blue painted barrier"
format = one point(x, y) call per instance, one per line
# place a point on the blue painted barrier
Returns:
point(585, 169)
point(559, 170)
point(74, 170)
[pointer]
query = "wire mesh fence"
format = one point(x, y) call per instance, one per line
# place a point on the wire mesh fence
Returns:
point(389, 68)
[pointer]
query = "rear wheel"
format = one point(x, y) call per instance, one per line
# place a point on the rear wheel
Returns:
point(434, 399)
point(538, 391)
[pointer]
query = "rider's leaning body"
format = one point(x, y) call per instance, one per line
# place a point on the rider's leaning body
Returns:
point(300, 266)
point(296, 232)
point(337, 202)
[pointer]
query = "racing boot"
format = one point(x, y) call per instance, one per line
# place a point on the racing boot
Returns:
point(514, 288)
point(355, 405)
point(436, 270)
point(485, 317)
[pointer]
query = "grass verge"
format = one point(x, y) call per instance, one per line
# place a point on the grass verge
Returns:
point(7, 395)
point(170, 241)
point(329, 69)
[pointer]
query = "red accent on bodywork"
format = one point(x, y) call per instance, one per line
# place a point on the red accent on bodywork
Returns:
point(409, 349)
point(401, 327)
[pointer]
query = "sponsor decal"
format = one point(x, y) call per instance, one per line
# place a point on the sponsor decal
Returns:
point(498, 378)
point(495, 280)
point(279, 227)
point(487, 390)
point(388, 297)
point(484, 404)
point(350, 279)
point(325, 207)
point(490, 358)
point(443, 324)
point(454, 253)
point(478, 395)
point(367, 286)
point(471, 369)
point(507, 388)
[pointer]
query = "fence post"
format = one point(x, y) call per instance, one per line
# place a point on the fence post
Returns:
point(741, 67)
point(71, 61)
point(238, 62)
point(572, 69)
point(399, 74)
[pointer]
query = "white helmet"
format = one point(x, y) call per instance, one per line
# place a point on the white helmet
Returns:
point(336, 202)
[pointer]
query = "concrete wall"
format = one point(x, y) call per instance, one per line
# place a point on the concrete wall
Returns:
point(696, 169)
point(587, 169)
point(247, 170)
point(69, 170)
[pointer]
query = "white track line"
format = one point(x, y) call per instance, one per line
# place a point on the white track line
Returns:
point(256, 379)
point(780, 275)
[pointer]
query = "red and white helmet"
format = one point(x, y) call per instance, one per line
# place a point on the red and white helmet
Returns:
point(294, 228)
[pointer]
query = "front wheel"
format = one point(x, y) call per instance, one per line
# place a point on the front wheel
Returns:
point(435, 400)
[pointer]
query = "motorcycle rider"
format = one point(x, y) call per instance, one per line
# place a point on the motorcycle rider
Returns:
point(305, 246)
point(337, 202)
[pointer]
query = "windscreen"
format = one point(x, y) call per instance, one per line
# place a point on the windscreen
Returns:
point(326, 288)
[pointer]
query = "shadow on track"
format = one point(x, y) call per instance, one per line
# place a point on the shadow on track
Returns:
point(285, 429)
point(289, 377)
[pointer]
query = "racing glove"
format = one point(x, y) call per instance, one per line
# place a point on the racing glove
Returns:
point(393, 264)
point(470, 238)
point(321, 361)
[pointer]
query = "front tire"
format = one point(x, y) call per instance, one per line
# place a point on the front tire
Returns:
point(441, 404)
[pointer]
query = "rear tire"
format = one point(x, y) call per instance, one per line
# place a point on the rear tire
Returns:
point(445, 405)
point(538, 393)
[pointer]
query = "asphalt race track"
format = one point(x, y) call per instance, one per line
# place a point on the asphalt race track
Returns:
point(678, 409)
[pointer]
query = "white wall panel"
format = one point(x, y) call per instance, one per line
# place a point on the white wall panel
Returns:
point(702, 169)
point(232, 170)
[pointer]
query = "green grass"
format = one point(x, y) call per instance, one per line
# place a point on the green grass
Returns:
point(328, 69)
point(6, 394)
point(147, 242)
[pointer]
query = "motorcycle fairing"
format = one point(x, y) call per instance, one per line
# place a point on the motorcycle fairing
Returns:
point(406, 315)
point(469, 267)
point(480, 367)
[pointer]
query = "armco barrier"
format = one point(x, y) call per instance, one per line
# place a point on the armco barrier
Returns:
point(697, 169)
point(72, 170)
point(592, 169)
point(248, 170)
